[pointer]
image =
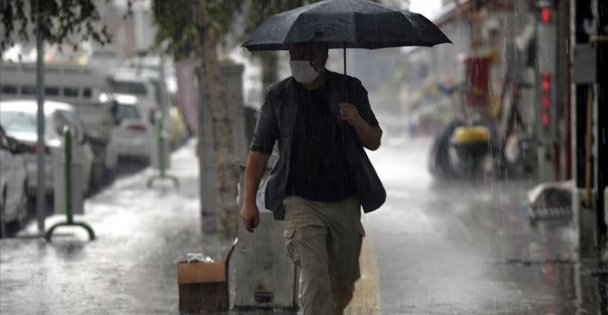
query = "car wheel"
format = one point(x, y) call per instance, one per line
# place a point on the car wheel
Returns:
point(3, 230)
point(96, 179)
point(97, 175)
point(110, 175)
point(22, 208)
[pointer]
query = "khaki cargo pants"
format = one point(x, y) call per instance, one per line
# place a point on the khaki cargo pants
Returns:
point(324, 242)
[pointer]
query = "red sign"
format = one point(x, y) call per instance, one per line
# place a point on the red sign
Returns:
point(545, 15)
point(545, 118)
point(545, 98)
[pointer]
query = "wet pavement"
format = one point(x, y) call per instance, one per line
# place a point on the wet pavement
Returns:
point(434, 248)
point(129, 269)
point(469, 247)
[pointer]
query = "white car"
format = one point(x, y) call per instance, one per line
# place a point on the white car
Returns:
point(19, 120)
point(13, 183)
point(129, 82)
point(133, 132)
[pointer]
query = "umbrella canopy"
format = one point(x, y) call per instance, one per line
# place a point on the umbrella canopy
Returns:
point(345, 24)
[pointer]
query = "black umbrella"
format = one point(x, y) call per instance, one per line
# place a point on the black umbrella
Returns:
point(345, 24)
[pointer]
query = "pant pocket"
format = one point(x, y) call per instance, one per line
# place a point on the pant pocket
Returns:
point(289, 235)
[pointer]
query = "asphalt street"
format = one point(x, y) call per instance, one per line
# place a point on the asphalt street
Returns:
point(465, 247)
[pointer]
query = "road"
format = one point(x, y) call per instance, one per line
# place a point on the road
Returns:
point(464, 248)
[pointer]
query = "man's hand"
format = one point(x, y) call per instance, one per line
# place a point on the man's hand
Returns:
point(368, 135)
point(250, 215)
point(350, 114)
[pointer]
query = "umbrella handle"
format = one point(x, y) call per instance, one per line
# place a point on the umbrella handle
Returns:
point(344, 50)
point(345, 88)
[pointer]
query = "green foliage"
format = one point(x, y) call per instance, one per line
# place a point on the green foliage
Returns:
point(61, 22)
point(176, 21)
point(223, 14)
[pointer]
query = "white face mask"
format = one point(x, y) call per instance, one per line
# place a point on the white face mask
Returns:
point(302, 71)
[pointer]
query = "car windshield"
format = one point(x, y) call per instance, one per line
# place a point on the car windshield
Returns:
point(3, 140)
point(127, 111)
point(18, 121)
point(126, 87)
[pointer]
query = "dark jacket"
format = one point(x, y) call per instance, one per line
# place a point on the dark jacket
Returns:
point(276, 123)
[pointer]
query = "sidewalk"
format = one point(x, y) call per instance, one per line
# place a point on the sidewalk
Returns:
point(131, 267)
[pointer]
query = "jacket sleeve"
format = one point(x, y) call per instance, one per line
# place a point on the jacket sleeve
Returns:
point(363, 106)
point(266, 129)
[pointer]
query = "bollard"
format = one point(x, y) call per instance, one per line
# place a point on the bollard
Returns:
point(67, 136)
point(161, 157)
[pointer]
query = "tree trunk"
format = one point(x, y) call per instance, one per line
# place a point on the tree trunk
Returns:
point(227, 172)
point(187, 100)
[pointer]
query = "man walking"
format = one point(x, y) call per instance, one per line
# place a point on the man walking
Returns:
point(321, 121)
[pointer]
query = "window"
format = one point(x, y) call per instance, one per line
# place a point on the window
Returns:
point(51, 91)
point(71, 71)
point(3, 140)
point(71, 119)
point(70, 92)
point(9, 89)
point(87, 93)
point(19, 121)
point(128, 87)
point(60, 121)
point(28, 90)
point(127, 111)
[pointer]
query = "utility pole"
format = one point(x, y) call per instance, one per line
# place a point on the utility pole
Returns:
point(601, 162)
point(40, 186)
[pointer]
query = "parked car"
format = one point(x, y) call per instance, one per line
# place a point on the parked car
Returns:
point(19, 120)
point(84, 87)
point(129, 81)
point(13, 183)
point(146, 86)
point(133, 132)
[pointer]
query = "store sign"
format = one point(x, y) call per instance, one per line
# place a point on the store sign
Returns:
point(546, 79)
point(586, 20)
